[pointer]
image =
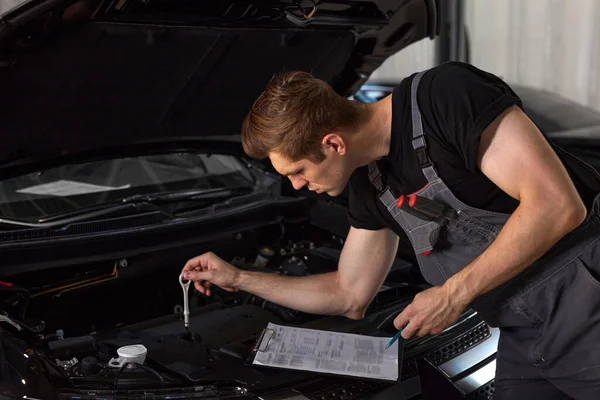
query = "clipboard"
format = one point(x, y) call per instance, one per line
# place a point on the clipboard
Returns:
point(271, 339)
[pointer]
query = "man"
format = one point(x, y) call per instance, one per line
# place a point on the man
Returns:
point(497, 219)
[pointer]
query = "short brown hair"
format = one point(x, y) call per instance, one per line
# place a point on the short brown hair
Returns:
point(293, 114)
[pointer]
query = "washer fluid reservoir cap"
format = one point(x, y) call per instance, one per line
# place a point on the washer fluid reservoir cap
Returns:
point(132, 351)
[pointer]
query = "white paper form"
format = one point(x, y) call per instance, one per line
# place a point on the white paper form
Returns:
point(329, 352)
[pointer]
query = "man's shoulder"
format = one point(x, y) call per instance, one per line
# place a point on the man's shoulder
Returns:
point(442, 80)
point(452, 76)
point(456, 67)
point(444, 69)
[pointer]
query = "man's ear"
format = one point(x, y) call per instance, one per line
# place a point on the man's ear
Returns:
point(335, 142)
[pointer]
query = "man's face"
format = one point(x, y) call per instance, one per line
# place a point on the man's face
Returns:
point(329, 176)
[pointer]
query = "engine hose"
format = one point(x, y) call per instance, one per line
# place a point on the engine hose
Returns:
point(284, 313)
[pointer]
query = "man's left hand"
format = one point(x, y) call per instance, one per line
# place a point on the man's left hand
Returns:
point(431, 311)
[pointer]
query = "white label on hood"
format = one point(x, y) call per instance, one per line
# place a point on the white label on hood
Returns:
point(64, 188)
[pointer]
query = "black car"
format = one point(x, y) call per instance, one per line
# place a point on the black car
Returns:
point(120, 160)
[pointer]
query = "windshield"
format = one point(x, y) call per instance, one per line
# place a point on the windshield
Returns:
point(71, 187)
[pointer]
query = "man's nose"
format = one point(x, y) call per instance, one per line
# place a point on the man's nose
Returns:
point(298, 183)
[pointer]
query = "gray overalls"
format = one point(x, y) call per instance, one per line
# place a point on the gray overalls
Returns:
point(549, 315)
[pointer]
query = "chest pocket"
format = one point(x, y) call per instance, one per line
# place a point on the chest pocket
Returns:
point(423, 234)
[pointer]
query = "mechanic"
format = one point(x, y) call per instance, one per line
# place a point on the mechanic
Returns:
point(513, 230)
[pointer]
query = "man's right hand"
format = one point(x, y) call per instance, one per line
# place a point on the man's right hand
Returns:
point(208, 269)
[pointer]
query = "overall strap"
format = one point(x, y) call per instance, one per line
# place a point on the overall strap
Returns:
point(375, 178)
point(419, 143)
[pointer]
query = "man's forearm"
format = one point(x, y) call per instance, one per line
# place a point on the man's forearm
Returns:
point(364, 263)
point(515, 156)
point(527, 235)
point(315, 294)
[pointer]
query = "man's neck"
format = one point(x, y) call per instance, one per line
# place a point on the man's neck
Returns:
point(376, 131)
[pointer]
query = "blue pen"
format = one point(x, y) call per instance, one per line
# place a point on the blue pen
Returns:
point(396, 337)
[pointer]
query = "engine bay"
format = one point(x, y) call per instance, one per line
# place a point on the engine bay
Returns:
point(84, 318)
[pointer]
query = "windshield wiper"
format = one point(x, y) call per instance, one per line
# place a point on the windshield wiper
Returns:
point(195, 194)
point(80, 215)
point(135, 203)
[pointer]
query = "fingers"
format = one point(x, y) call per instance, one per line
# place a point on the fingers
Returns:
point(201, 280)
point(199, 287)
point(422, 331)
point(429, 313)
point(436, 330)
point(410, 329)
point(408, 322)
point(418, 328)
point(192, 264)
point(193, 275)
point(193, 271)
point(200, 262)
point(203, 287)
point(206, 285)
point(402, 319)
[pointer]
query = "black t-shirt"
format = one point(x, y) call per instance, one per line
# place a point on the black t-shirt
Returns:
point(457, 102)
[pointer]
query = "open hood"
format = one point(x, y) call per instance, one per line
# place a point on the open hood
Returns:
point(88, 75)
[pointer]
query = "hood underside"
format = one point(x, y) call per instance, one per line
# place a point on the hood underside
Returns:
point(127, 77)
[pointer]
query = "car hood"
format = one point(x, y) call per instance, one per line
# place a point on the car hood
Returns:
point(86, 75)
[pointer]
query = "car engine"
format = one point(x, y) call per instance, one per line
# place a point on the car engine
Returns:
point(84, 317)
point(112, 327)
